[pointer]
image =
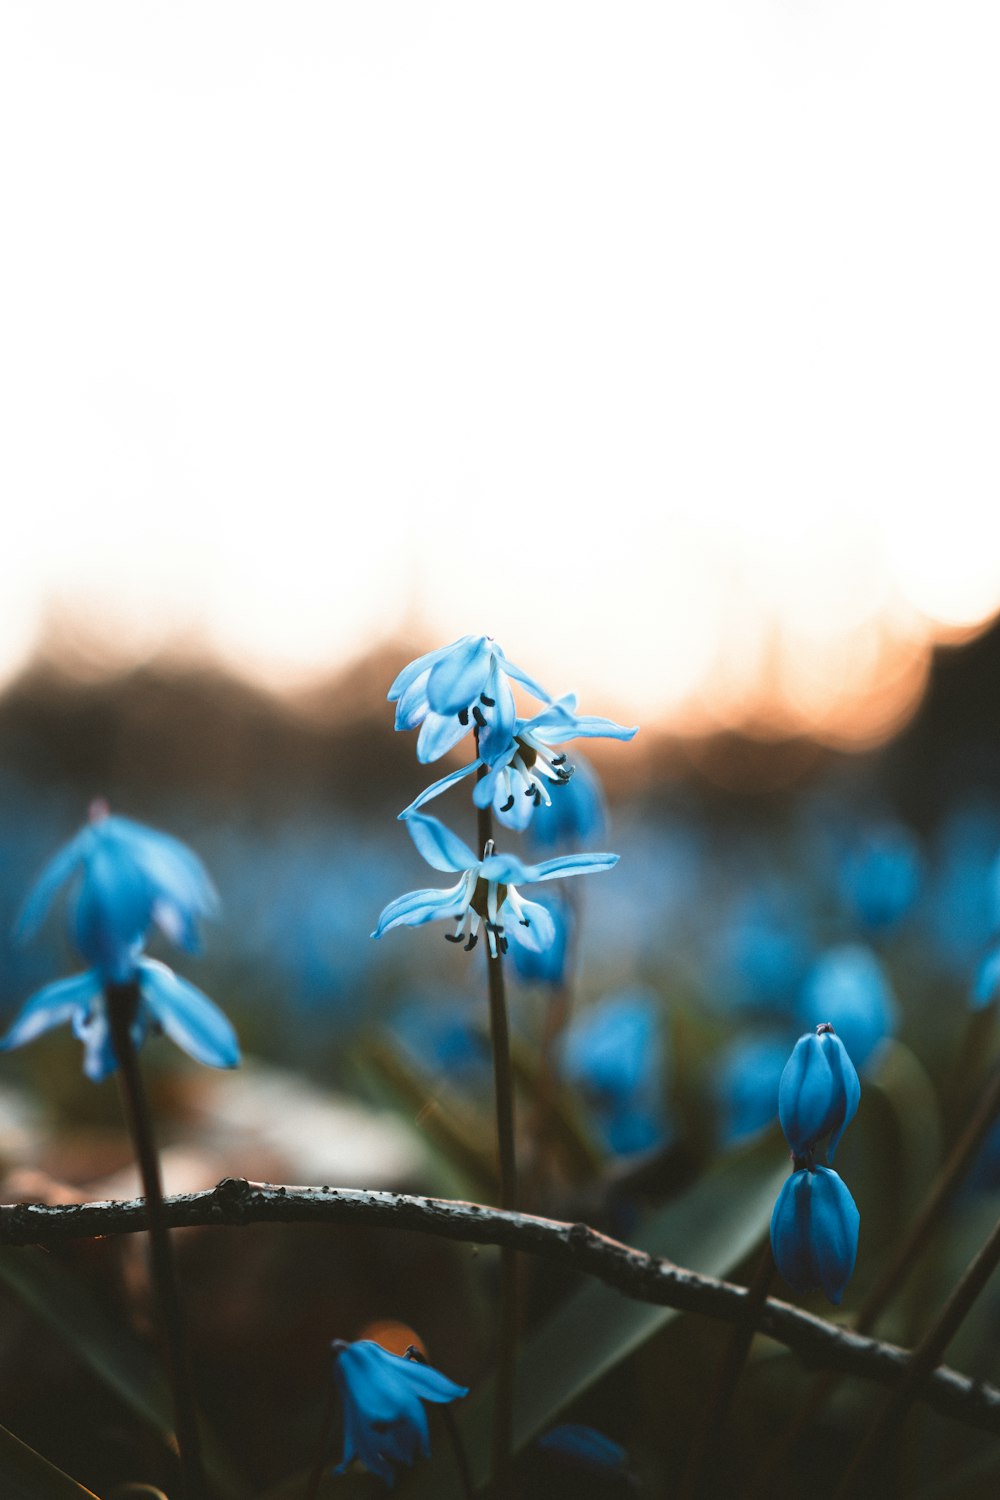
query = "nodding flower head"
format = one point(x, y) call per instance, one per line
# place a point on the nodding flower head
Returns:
point(814, 1232)
point(162, 1002)
point(517, 778)
point(818, 1094)
point(124, 878)
point(385, 1423)
point(486, 894)
point(457, 688)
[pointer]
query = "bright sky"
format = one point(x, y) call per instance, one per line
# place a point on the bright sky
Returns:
point(658, 340)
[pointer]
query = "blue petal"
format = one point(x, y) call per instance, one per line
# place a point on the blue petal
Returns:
point(506, 869)
point(570, 864)
point(188, 1017)
point(419, 665)
point(51, 1006)
point(460, 676)
point(438, 733)
point(519, 675)
point(790, 1236)
point(59, 869)
point(539, 934)
point(442, 849)
point(418, 907)
point(496, 737)
point(112, 912)
point(834, 1232)
point(93, 1029)
point(412, 707)
point(586, 728)
point(438, 787)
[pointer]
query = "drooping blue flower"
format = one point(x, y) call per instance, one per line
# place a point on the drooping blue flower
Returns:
point(814, 1232)
point(614, 1053)
point(385, 1423)
point(819, 1092)
point(519, 775)
point(590, 1456)
point(746, 1086)
point(457, 688)
point(124, 877)
point(880, 876)
point(167, 1003)
point(486, 893)
point(575, 813)
point(848, 987)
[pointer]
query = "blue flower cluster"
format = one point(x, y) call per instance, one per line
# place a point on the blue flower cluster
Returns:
point(125, 879)
point(467, 687)
point(814, 1226)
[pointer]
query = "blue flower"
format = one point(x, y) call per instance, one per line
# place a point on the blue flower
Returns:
point(595, 1460)
point(384, 1420)
point(575, 813)
point(819, 1092)
point(166, 1003)
point(746, 1086)
point(486, 893)
point(519, 774)
point(848, 988)
point(880, 876)
point(126, 878)
point(458, 687)
point(614, 1053)
point(814, 1232)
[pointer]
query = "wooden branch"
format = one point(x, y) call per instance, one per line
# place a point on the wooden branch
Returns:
point(635, 1274)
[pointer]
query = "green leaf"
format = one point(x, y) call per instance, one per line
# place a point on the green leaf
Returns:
point(26, 1475)
point(63, 1302)
point(709, 1229)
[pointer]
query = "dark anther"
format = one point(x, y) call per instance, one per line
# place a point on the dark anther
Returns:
point(529, 791)
point(487, 702)
point(479, 716)
point(558, 760)
point(525, 921)
point(453, 937)
point(563, 775)
point(473, 940)
point(538, 797)
point(825, 1028)
point(508, 804)
point(504, 945)
point(463, 716)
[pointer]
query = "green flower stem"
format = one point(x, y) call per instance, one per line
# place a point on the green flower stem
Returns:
point(122, 1002)
point(726, 1379)
point(947, 1182)
point(925, 1358)
point(503, 1081)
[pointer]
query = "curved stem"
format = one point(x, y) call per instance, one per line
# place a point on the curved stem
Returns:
point(123, 1001)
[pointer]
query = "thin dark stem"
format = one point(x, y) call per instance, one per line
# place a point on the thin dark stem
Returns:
point(943, 1189)
point(726, 1378)
point(503, 1081)
point(122, 1001)
point(925, 1358)
point(323, 1451)
point(454, 1436)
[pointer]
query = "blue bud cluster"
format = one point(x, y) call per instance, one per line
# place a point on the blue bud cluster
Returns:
point(814, 1226)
